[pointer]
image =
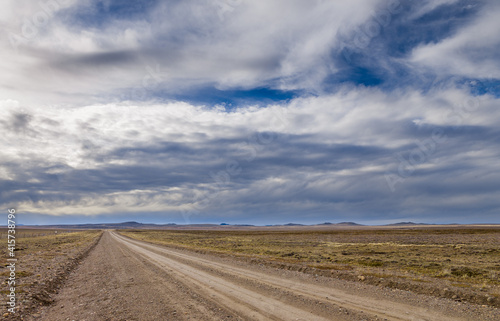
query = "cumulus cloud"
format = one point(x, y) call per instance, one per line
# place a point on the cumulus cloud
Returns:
point(324, 156)
point(251, 111)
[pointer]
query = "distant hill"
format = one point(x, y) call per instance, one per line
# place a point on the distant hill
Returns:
point(100, 226)
point(132, 223)
point(405, 223)
point(341, 224)
point(137, 225)
point(348, 224)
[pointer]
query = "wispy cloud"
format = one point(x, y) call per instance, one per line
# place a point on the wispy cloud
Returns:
point(472, 51)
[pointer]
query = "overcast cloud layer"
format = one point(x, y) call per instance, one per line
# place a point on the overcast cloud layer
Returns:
point(256, 112)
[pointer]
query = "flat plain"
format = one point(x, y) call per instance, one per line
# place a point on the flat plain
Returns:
point(44, 258)
point(259, 273)
point(461, 262)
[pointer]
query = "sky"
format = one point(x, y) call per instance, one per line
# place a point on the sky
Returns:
point(250, 112)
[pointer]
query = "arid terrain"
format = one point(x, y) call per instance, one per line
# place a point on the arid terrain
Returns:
point(460, 263)
point(45, 257)
point(292, 273)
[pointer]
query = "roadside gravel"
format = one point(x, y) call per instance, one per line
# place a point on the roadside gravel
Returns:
point(124, 279)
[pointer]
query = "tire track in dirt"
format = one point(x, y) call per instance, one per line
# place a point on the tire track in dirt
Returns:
point(247, 303)
point(232, 293)
point(126, 279)
point(114, 283)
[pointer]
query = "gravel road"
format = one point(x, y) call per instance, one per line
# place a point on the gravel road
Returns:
point(125, 279)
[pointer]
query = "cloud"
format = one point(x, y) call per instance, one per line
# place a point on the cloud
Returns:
point(325, 155)
point(109, 51)
point(470, 52)
point(87, 50)
point(251, 111)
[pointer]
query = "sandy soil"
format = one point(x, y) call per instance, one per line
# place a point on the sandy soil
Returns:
point(125, 279)
point(45, 260)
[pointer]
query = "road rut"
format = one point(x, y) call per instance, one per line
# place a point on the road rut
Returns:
point(126, 279)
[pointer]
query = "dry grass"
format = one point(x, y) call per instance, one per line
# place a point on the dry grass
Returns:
point(42, 254)
point(45, 243)
point(464, 256)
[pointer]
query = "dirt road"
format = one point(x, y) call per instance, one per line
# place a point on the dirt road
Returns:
point(125, 279)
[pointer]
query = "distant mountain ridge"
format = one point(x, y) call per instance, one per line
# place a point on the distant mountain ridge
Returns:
point(406, 223)
point(99, 226)
point(342, 224)
point(137, 225)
